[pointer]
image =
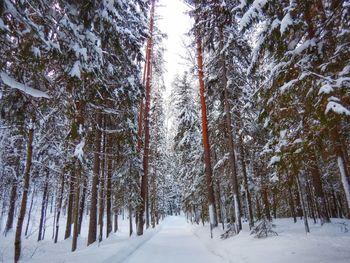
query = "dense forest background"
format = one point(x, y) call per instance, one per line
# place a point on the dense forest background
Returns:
point(260, 118)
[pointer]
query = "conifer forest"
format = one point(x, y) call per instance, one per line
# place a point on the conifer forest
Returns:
point(243, 155)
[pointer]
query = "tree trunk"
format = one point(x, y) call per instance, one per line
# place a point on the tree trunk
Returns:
point(11, 209)
point(78, 171)
point(344, 173)
point(96, 172)
point(317, 183)
point(70, 203)
point(115, 220)
point(59, 206)
point(43, 206)
point(26, 179)
point(130, 221)
point(231, 148)
point(291, 200)
point(144, 179)
point(109, 187)
point(101, 189)
point(82, 202)
point(246, 184)
point(30, 210)
point(265, 199)
point(301, 196)
point(205, 135)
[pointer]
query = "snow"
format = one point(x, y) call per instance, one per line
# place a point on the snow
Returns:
point(285, 23)
point(336, 108)
point(253, 12)
point(324, 244)
point(2, 25)
point(79, 151)
point(325, 89)
point(286, 86)
point(175, 241)
point(75, 71)
point(274, 160)
point(11, 82)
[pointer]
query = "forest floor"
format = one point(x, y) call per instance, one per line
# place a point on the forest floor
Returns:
point(175, 240)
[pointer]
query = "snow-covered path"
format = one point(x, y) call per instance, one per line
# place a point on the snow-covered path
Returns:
point(175, 242)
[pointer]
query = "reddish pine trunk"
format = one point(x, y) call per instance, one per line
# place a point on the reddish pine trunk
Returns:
point(144, 180)
point(22, 211)
point(208, 169)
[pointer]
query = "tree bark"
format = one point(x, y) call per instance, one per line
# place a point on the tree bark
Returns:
point(343, 169)
point(317, 183)
point(109, 187)
point(231, 147)
point(43, 206)
point(303, 207)
point(78, 172)
point(205, 135)
point(82, 202)
point(144, 179)
point(246, 184)
point(96, 172)
point(101, 205)
point(59, 206)
point(26, 178)
point(70, 203)
point(11, 209)
point(30, 210)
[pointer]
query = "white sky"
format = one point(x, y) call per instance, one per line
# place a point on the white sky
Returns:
point(175, 23)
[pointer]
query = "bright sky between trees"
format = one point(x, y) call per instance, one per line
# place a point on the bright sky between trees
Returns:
point(175, 23)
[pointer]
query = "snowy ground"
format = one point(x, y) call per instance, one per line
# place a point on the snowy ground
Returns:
point(329, 243)
point(177, 241)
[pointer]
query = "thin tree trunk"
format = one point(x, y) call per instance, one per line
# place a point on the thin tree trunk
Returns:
point(231, 148)
point(101, 189)
point(144, 180)
point(30, 210)
point(109, 187)
point(59, 206)
point(317, 183)
point(206, 145)
point(291, 201)
point(26, 178)
point(96, 172)
point(130, 221)
point(82, 202)
point(43, 206)
point(310, 201)
point(115, 220)
point(301, 194)
point(78, 171)
point(45, 216)
point(70, 203)
point(246, 184)
point(344, 173)
point(11, 210)
point(265, 199)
